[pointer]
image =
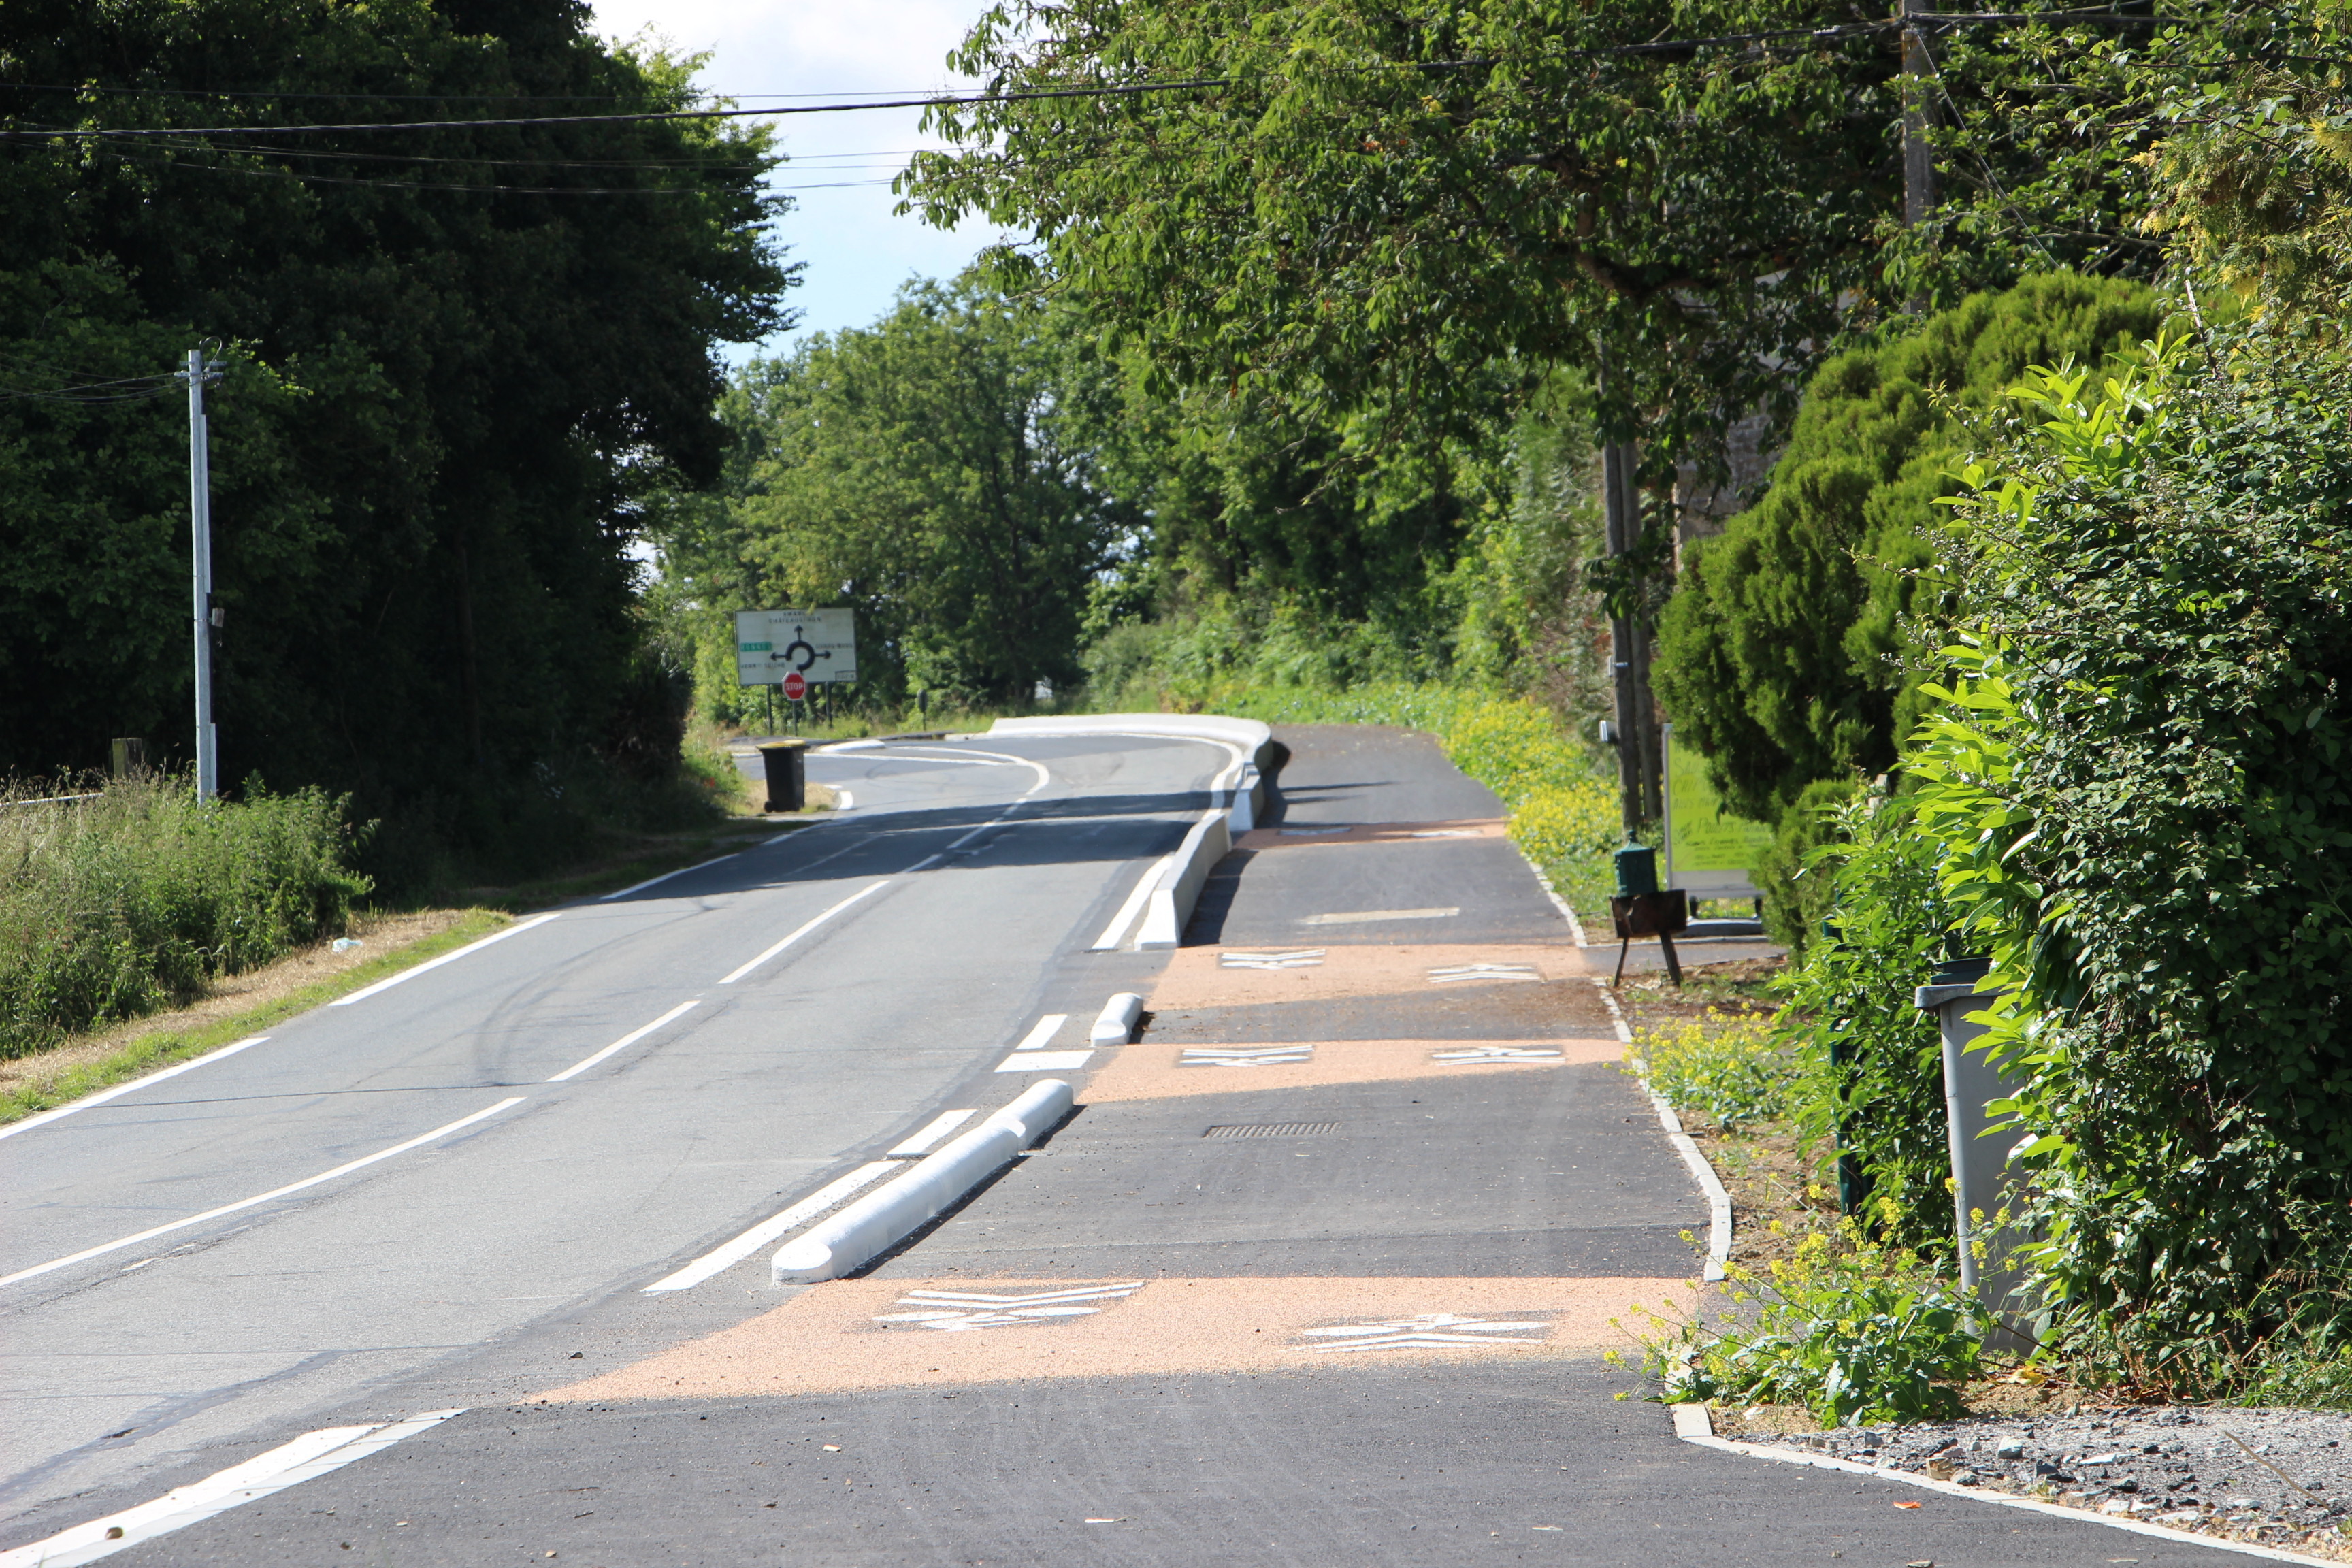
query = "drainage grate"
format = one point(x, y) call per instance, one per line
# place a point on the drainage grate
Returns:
point(1274, 1130)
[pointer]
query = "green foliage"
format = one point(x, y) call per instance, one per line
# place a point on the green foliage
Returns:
point(1798, 896)
point(114, 906)
point(1378, 203)
point(2140, 786)
point(1855, 1330)
point(1870, 1063)
point(1782, 654)
point(1734, 1070)
point(458, 360)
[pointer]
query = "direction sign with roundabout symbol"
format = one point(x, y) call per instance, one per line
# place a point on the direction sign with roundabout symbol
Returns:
point(795, 649)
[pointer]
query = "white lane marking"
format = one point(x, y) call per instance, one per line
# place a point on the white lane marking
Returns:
point(957, 1311)
point(1457, 971)
point(1023, 1061)
point(933, 1134)
point(1045, 1030)
point(630, 1039)
point(726, 1256)
point(311, 1454)
point(924, 865)
point(1298, 958)
point(1498, 1054)
point(973, 834)
point(1430, 1330)
point(965, 753)
point(1365, 916)
point(1245, 1056)
point(1132, 909)
point(866, 891)
point(292, 1187)
point(389, 982)
point(104, 1095)
point(666, 876)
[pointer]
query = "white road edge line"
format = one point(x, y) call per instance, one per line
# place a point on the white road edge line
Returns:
point(102, 1095)
point(1718, 1202)
point(343, 1170)
point(726, 1256)
point(933, 1134)
point(630, 1039)
point(866, 891)
point(311, 1454)
point(666, 876)
point(390, 981)
point(1575, 926)
point(1044, 1029)
point(1699, 1430)
point(1132, 909)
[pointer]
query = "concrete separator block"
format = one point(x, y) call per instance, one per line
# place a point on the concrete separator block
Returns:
point(1116, 1023)
point(1170, 903)
point(896, 1210)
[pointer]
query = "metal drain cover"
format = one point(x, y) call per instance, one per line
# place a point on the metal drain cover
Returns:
point(1274, 1130)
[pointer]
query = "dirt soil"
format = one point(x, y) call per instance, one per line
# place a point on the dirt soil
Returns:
point(236, 993)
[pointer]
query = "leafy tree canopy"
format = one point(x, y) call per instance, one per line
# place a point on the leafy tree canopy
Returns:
point(456, 360)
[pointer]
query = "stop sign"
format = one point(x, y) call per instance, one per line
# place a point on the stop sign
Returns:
point(796, 685)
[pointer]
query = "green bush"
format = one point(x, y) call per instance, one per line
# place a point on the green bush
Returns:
point(1778, 654)
point(114, 906)
point(1870, 1064)
point(1798, 896)
point(2140, 786)
point(1855, 1330)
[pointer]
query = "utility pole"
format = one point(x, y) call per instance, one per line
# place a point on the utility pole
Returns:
point(200, 516)
point(1640, 798)
point(1918, 114)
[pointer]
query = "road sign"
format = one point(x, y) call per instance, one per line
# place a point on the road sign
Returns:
point(818, 646)
point(796, 685)
point(1710, 854)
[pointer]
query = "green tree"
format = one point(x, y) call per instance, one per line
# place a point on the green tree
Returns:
point(1782, 654)
point(941, 472)
point(459, 358)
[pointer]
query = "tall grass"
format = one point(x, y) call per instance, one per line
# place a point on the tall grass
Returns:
point(130, 900)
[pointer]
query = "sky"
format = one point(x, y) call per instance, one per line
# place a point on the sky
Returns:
point(857, 252)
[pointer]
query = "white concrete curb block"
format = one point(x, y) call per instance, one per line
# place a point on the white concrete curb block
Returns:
point(1239, 789)
point(1170, 903)
point(1116, 1024)
point(896, 1210)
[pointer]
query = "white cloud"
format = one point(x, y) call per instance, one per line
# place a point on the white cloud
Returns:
point(857, 250)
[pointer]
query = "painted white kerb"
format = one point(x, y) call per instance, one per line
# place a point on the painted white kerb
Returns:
point(889, 1214)
point(1171, 902)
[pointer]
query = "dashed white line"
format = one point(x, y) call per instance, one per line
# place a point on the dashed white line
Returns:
point(720, 1258)
point(1044, 1029)
point(867, 891)
point(407, 974)
point(1364, 917)
point(104, 1095)
point(666, 876)
point(630, 1039)
point(292, 1187)
point(311, 1454)
point(933, 1134)
point(1030, 1061)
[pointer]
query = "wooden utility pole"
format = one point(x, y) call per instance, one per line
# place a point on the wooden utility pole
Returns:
point(1641, 800)
point(1918, 114)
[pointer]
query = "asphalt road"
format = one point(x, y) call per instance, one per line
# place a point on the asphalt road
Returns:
point(1322, 1270)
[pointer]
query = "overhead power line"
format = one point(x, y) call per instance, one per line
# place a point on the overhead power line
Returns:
point(1113, 89)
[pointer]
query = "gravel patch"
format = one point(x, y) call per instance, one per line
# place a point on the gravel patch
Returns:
point(2282, 1478)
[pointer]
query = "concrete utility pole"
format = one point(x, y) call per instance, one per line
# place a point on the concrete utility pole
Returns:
point(1918, 114)
point(1641, 799)
point(200, 516)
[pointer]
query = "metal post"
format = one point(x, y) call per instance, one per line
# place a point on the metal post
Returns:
point(1639, 789)
point(1918, 113)
point(200, 517)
